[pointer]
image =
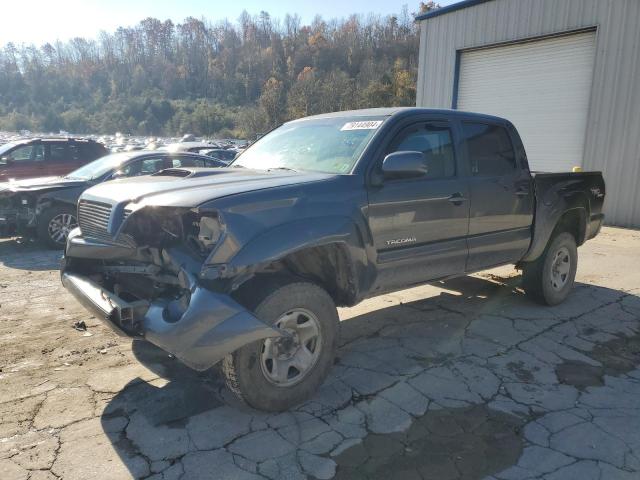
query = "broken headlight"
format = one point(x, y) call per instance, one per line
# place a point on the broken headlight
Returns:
point(158, 227)
point(205, 231)
point(209, 232)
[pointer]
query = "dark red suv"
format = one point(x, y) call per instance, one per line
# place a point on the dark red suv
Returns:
point(43, 157)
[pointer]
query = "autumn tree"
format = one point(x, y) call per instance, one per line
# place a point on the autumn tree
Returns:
point(207, 77)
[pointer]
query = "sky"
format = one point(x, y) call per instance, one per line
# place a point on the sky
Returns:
point(40, 21)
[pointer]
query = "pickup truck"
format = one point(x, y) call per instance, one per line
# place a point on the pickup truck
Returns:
point(243, 267)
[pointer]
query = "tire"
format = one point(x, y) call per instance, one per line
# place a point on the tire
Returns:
point(54, 224)
point(265, 374)
point(549, 279)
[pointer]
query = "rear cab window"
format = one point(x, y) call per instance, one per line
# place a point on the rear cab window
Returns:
point(490, 152)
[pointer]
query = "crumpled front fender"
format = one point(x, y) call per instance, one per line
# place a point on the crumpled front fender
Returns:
point(211, 326)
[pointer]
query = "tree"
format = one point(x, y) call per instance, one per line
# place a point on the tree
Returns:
point(205, 77)
point(273, 102)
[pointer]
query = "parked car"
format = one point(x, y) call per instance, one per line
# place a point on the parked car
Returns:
point(244, 266)
point(40, 157)
point(188, 147)
point(47, 206)
point(225, 155)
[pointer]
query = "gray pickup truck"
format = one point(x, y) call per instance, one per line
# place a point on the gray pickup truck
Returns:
point(244, 266)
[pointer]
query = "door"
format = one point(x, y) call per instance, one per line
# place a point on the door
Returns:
point(543, 87)
point(419, 225)
point(59, 161)
point(500, 194)
point(25, 161)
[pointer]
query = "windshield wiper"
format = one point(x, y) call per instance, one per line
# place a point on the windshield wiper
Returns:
point(282, 168)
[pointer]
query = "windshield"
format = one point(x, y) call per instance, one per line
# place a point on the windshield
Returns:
point(329, 145)
point(99, 167)
point(6, 147)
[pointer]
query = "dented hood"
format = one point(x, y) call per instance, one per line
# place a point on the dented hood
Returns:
point(192, 187)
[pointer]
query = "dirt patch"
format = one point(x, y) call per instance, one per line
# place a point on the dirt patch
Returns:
point(465, 444)
point(580, 374)
point(617, 356)
point(521, 372)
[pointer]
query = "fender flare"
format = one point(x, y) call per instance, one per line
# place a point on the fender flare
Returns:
point(548, 215)
point(277, 243)
point(287, 238)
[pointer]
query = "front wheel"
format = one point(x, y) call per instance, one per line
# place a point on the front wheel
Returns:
point(277, 373)
point(549, 279)
point(54, 225)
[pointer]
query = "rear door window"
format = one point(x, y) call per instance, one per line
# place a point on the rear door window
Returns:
point(58, 152)
point(489, 149)
point(83, 152)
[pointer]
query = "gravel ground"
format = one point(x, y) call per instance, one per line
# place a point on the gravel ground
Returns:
point(463, 380)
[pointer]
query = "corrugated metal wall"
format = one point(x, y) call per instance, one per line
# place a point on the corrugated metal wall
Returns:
point(612, 141)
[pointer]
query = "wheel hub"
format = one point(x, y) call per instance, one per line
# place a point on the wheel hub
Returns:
point(286, 347)
point(60, 226)
point(560, 268)
point(286, 360)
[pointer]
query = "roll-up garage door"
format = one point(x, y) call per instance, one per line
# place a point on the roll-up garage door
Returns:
point(542, 86)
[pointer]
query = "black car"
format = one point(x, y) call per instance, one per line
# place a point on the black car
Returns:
point(226, 155)
point(46, 206)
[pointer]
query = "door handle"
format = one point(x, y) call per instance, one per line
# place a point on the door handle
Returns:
point(457, 198)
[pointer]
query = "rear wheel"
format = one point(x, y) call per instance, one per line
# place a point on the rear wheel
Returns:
point(550, 278)
point(277, 373)
point(54, 225)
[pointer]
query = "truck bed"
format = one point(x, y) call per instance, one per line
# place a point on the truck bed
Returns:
point(558, 192)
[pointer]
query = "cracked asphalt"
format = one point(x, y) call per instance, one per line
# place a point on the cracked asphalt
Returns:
point(466, 379)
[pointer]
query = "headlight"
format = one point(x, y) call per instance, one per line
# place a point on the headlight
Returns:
point(209, 232)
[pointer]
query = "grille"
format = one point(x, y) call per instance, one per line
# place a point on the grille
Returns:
point(93, 218)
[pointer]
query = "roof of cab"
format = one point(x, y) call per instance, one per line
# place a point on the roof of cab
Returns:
point(402, 111)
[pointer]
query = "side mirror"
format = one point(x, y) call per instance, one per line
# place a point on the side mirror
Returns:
point(407, 164)
point(6, 161)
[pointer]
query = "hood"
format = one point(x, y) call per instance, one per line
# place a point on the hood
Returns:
point(180, 187)
point(38, 184)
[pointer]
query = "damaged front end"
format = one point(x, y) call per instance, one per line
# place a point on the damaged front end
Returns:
point(140, 269)
point(17, 212)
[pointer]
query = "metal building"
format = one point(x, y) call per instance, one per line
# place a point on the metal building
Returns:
point(565, 72)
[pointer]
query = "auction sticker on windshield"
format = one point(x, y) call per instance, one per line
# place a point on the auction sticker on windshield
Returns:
point(367, 125)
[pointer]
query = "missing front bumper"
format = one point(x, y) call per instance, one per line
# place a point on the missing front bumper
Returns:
point(212, 326)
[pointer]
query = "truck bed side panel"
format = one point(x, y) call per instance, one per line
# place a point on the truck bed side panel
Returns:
point(561, 193)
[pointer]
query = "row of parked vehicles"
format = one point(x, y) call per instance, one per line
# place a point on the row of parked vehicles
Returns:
point(42, 179)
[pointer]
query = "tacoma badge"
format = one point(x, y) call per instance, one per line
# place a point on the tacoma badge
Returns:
point(401, 241)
